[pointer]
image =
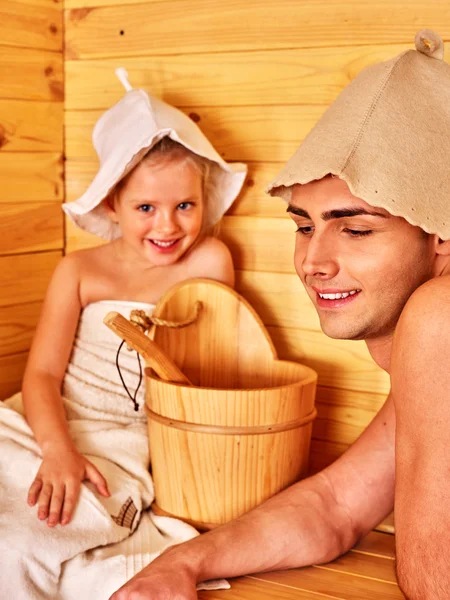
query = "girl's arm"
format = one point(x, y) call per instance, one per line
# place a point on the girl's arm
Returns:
point(57, 483)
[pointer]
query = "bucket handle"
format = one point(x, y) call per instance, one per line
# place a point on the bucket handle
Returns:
point(153, 355)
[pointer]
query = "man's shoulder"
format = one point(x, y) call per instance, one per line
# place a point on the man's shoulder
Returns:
point(430, 303)
point(423, 330)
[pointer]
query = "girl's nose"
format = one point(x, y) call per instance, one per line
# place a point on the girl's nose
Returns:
point(166, 222)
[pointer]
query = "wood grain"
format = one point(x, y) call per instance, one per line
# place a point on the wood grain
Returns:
point(31, 126)
point(17, 326)
point(300, 76)
point(12, 368)
point(340, 363)
point(41, 74)
point(244, 133)
point(31, 24)
point(189, 26)
point(28, 177)
point(30, 227)
point(25, 277)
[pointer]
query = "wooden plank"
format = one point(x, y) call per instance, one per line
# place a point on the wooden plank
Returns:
point(347, 586)
point(77, 239)
point(343, 415)
point(342, 364)
point(17, 326)
point(388, 525)
point(189, 26)
point(246, 588)
point(260, 244)
point(31, 74)
point(30, 126)
point(279, 298)
point(377, 544)
point(300, 76)
point(252, 201)
point(30, 227)
point(25, 277)
point(365, 565)
point(12, 368)
point(31, 24)
point(244, 133)
point(31, 177)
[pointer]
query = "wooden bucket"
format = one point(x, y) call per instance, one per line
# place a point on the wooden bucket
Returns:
point(242, 432)
point(218, 453)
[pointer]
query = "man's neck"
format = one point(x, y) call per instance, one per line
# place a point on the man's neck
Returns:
point(380, 351)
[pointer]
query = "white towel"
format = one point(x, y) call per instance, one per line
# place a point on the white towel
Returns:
point(108, 540)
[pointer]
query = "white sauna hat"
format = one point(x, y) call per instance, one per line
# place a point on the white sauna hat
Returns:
point(121, 138)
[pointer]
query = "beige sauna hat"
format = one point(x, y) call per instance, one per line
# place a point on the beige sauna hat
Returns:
point(121, 138)
point(388, 136)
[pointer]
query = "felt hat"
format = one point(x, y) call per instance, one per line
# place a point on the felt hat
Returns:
point(121, 138)
point(388, 136)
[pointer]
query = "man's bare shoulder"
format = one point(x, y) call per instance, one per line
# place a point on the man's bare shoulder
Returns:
point(421, 340)
point(428, 309)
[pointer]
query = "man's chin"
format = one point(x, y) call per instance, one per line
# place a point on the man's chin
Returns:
point(342, 333)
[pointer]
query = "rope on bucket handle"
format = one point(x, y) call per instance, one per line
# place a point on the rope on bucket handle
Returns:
point(144, 322)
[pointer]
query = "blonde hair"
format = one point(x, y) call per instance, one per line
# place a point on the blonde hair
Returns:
point(168, 149)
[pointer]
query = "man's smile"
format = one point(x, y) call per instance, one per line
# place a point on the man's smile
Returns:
point(334, 298)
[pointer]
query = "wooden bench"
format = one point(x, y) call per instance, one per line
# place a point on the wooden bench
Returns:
point(365, 573)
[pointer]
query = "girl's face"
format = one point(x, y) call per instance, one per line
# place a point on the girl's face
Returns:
point(160, 209)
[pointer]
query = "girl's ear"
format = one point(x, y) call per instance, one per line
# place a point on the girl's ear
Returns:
point(109, 206)
point(442, 247)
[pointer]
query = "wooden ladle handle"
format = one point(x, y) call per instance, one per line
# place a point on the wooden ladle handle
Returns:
point(154, 357)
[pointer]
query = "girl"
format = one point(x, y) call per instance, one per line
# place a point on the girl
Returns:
point(159, 190)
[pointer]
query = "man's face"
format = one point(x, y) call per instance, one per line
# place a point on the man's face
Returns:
point(358, 263)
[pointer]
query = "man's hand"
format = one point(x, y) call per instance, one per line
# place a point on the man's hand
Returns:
point(163, 579)
point(56, 486)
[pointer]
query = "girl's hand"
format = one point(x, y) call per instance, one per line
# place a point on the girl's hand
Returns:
point(56, 486)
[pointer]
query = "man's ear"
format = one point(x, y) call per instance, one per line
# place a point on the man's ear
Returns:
point(442, 247)
point(109, 206)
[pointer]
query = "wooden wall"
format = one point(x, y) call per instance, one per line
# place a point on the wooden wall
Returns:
point(255, 75)
point(31, 184)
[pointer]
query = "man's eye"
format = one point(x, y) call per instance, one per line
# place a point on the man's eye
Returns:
point(145, 207)
point(185, 205)
point(305, 230)
point(357, 232)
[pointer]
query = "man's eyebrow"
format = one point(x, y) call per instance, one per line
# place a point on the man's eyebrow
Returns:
point(337, 213)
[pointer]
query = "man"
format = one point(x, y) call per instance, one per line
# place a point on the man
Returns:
point(369, 193)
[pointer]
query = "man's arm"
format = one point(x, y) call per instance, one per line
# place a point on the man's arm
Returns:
point(420, 372)
point(313, 521)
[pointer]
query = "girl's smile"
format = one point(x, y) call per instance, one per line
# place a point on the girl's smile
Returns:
point(160, 210)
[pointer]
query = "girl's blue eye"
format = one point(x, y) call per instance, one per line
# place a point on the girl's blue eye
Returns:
point(145, 207)
point(185, 205)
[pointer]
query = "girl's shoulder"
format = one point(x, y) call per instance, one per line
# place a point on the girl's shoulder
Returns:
point(88, 258)
point(211, 259)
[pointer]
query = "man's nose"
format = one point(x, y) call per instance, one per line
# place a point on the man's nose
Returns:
point(320, 260)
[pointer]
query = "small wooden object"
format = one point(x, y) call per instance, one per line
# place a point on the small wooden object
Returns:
point(154, 357)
